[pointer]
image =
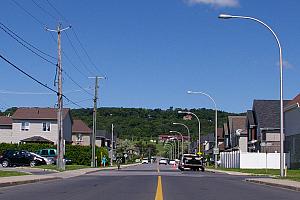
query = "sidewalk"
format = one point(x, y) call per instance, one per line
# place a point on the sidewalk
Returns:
point(282, 183)
point(271, 181)
point(229, 172)
point(18, 180)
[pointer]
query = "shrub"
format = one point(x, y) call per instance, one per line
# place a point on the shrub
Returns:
point(80, 155)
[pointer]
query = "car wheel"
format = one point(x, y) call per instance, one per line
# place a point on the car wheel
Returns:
point(32, 163)
point(5, 163)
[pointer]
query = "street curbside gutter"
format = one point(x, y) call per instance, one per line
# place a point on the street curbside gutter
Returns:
point(21, 182)
point(295, 187)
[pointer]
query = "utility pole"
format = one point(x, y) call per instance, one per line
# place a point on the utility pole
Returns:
point(93, 161)
point(112, 145)
point(60, 143)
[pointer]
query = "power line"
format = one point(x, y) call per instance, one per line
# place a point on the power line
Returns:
point(57, 11)
point(46, 54)
point(77, 83)
point(84, 50)
point(35, 18)
point(43, 24)
point(76, 52)
point(37, 81)
point(18, 38)
point(70, 61)
point(76, 36)
point(28, 75)
point(44, 10)
point(34, 93)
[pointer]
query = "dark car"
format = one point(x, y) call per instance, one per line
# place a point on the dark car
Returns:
point(192, 162)
point(20, 158)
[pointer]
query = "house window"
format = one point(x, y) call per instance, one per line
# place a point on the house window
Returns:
point(46, 126)
point(79, 138)
point(25, 126)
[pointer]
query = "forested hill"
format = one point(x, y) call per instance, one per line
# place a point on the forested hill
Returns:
point(133, 123)
point(139, 123)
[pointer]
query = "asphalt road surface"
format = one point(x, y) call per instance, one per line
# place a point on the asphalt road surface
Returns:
point(148, 181)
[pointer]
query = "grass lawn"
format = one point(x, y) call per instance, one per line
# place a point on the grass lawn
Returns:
point(11, 173)
point(291, 174)
point(68, 167)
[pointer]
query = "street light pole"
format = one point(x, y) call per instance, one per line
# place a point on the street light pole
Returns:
point(189, 136)
point(178, 142)
point(216, 121)
point(171, 153)
point(226, 16)
point(199, 126)
point(173, 149)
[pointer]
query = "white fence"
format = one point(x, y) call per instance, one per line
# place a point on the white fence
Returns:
point(246, 160)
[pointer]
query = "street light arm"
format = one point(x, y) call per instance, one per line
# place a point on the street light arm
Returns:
point(191, 92)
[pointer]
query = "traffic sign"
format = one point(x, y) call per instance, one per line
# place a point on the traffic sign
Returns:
point(199, 153)
point(216, 151)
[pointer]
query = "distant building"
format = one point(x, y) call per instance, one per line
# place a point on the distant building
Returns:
point(81, 133)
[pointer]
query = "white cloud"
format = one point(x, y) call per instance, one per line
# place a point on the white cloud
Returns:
point(215, 3)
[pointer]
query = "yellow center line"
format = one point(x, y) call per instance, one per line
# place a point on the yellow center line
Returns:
point(159, 192)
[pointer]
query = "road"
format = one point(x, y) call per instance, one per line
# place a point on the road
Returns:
point(141, 183)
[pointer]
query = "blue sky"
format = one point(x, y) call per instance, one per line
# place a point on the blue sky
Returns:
point(153, 51)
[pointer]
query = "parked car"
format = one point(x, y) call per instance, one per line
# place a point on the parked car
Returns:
point(172, 162)
point(163, 161)
point(145, 161)
point(192, 162)
point(20, 158)
point(51, 155)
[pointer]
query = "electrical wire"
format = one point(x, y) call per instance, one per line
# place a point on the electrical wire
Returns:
point(76, 36)
point(28, 75)
point(35, 18)
point(77, 54)
point(18, 40)
point(15, 38)
point(37, 81)
point(44, 10)
point(16, 35)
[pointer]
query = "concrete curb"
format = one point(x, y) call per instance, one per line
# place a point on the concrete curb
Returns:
point(289, 187)
point(229, 172)
point(21, 182)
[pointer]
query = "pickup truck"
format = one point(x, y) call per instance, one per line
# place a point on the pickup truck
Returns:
point(192, 162)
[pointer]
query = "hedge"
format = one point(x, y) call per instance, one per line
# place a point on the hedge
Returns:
point(80, 155)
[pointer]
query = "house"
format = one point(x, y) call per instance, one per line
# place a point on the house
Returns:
point(30, 125)
point(263, 126)
point(81, 133)
point(5, 128)
point(226, 136)
point(292, 131)
point(103, 138)
point(238, 133)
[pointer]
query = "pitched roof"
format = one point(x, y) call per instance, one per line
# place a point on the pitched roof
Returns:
point(267, 112)
point(4, 120)
point(38, 113)
point(37, 139)
point(236, 122)
point(220, 133)
point(80, 127)
point(250, 118)
point(294, 101)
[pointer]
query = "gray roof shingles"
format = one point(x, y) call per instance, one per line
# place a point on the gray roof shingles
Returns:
point(267, 113)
